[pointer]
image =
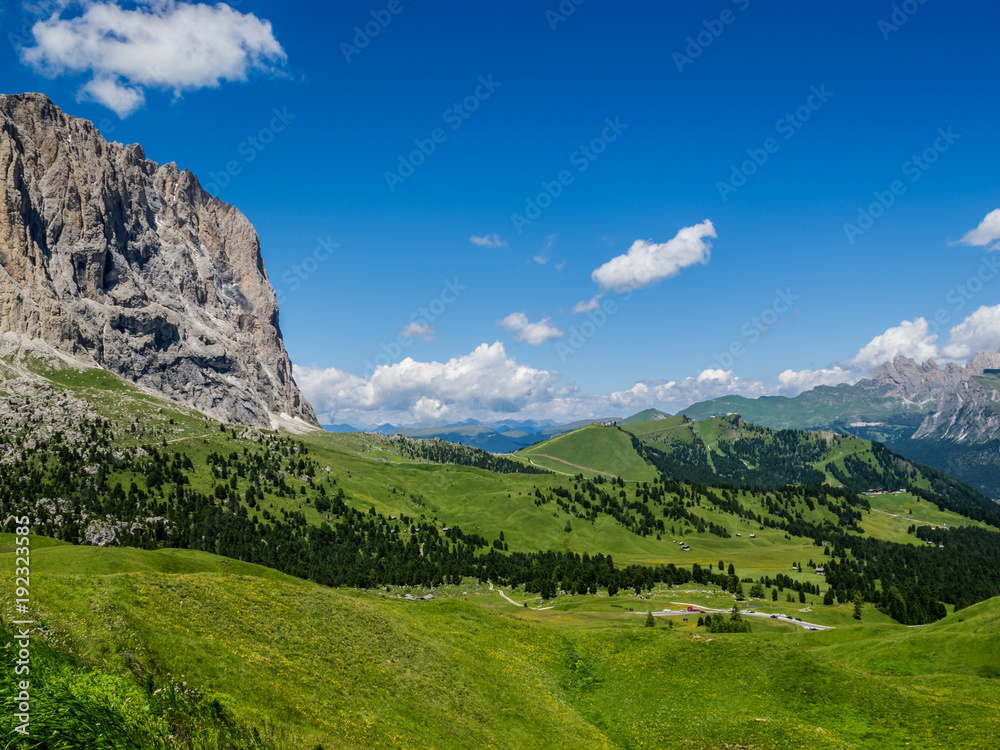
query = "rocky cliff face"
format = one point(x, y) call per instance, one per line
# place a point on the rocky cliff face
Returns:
point(129, 265)
point(960, 403)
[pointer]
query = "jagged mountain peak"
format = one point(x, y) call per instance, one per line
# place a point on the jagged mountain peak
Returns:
point(907, 378)
point(984, 361)
point(129, 265)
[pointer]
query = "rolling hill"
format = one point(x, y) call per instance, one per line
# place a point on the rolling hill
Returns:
point(502, 437)
point(593, 450)
point(163, 644)
point(948, 418)
point(170, 524)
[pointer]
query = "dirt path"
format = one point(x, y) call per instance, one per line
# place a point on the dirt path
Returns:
point(188, 437)
point(575, 466)
point(512, 601)
point(560, 473)
point(902, 516)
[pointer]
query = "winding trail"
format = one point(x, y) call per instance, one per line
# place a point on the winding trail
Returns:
point(499, 591)
point(188, 437)
point(560, 473)
point(575, 466)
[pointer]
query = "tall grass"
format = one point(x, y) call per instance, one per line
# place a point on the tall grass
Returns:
point(73, 707)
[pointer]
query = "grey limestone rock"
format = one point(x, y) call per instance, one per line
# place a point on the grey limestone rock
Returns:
point(128, 265)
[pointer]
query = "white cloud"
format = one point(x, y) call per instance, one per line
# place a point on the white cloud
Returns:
point(793, 382)
point(419, 331)
point(487, 241)
point(523, 330)
point(720, 376)
point(168, 45)
point(429, 410)
point(646, 262)
point(987, 231)
point(912, 339)
point(561, 265)
point(908, 339)
point(481, 384)
point(587, 305)
point(117, 97)
point(487, 384)
point(540, 259)
point(674, 395)
point(978, 332)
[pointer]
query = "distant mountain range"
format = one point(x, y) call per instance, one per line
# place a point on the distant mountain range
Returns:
point(505, 436)
point(948, 418)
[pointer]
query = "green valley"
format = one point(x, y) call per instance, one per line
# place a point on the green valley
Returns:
point(294, 664)
point(246, 588)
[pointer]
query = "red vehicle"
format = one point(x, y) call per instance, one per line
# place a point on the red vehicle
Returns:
point(693, 609)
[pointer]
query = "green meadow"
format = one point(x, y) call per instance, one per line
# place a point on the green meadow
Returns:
point(173, 648)
point(308, 666)
point(591, 451)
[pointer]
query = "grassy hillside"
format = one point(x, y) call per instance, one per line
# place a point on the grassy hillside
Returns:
point(730, 450)
point(214, 652)
point(870, 415)
point(646, 415)
point(288, 503)
point(311, 666)
point(594, 450)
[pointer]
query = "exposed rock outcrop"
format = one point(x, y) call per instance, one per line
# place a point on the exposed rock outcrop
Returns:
point(130, 266)
point(959, 403)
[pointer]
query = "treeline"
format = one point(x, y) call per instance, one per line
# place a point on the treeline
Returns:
point(779, 457)
point(717, 623)
point(892, 471)
point(68, 488)
point(442, 452)
point(653, 504)
point(958, 566)
point(776, 461)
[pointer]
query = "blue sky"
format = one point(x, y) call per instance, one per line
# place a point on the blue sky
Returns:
point(395, 173)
